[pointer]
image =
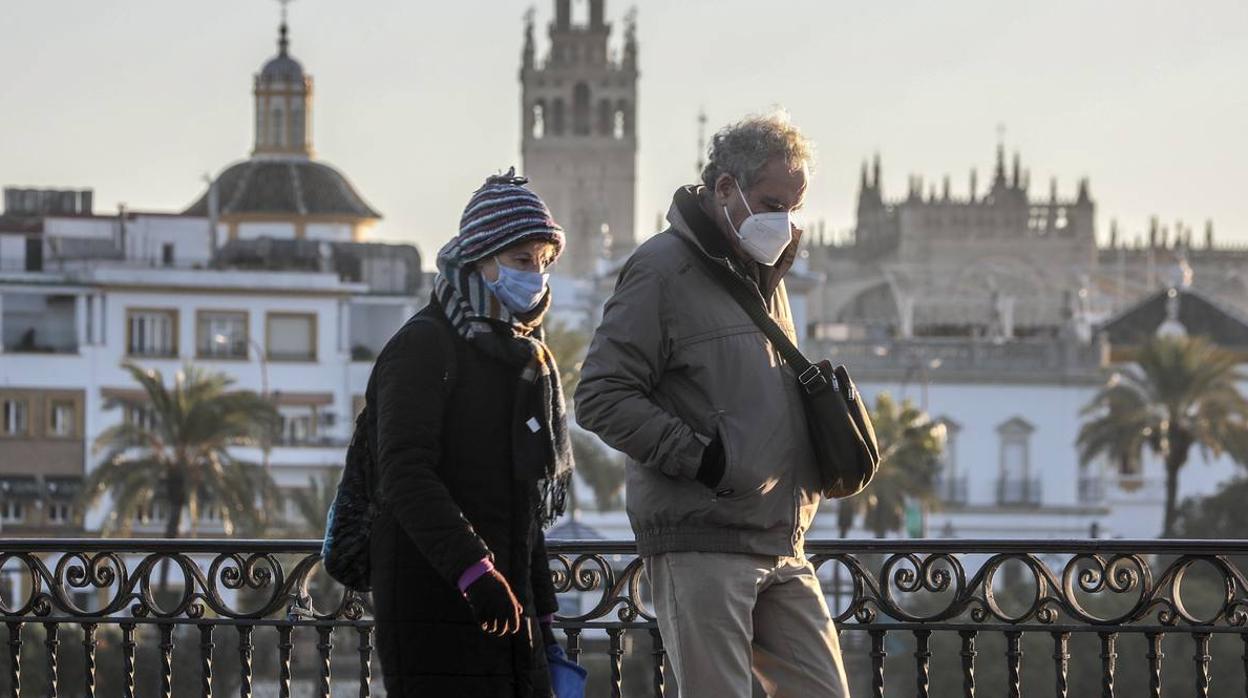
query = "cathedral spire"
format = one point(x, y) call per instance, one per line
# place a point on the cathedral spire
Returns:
point(529, 50)
point(998, 175)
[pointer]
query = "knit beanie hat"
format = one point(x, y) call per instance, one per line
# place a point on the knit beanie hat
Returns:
point(501, 213)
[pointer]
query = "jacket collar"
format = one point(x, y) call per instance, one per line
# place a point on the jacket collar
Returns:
point(691, 222)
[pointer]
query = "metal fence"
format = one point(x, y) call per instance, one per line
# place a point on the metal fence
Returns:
point(912, 614)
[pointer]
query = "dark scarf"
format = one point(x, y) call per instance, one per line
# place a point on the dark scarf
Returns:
point(541, 446)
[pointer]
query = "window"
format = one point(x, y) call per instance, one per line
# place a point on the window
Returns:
point(166, 254)
point(60, 512)
point(140, 417)
point(291, 337)
point(1016, 486)
point(62, 418)
point(299, 425)
point(152, 333)
point(12, 510)
point(16, 417)
point(221, 334)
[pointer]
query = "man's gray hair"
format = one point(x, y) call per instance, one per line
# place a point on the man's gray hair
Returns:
point(744, 148)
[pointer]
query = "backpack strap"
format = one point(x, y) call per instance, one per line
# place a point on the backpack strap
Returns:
point(448, 349)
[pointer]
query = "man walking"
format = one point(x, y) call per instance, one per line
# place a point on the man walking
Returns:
point(722, 481)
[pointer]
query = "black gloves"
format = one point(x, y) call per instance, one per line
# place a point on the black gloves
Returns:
point(712, 469)
point(495, 605)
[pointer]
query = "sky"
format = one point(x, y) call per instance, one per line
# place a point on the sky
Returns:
point(418, 101)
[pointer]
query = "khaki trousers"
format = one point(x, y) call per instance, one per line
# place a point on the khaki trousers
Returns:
point(724, 616)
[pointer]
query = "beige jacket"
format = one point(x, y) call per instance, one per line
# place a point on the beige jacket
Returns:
point(675, 361)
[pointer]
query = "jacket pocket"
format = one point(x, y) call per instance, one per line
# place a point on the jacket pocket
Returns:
point(740, 481)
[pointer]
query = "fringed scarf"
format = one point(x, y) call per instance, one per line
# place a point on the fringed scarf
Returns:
point(540, 441)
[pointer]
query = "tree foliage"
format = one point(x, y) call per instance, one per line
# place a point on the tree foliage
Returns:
point(178, 454)
point(1180, 393)
point(911, 445)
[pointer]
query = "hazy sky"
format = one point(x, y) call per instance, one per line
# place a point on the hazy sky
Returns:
point(418, 101)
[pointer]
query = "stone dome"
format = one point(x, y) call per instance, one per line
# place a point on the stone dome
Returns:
point(284, 186)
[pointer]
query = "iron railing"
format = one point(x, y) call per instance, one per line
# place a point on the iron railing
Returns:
point(970, 608)
point(1019, 491)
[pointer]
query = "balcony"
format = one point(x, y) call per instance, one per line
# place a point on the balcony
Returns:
point(38, 324)
point(1019, 491)
point(953, 491)
point(937, 617)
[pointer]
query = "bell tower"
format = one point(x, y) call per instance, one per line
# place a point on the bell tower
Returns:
point(579, 137)
point(283, 103)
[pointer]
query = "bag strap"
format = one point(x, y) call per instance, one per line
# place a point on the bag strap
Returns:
point(809, 375)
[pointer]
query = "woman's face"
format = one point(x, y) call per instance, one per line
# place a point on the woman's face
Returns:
point(534, 255)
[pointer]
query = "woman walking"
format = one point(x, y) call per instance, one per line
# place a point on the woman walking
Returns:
point(473, 457)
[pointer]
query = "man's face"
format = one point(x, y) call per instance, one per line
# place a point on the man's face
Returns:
point(777, 188)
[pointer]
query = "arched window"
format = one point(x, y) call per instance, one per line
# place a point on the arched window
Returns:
point(537, 119)
point(580, 109)
point(276, 124)
point(605, 118)
point(557, 117)
point(624, 117)
point(297, 131)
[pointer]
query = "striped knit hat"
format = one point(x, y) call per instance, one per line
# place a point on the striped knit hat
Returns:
point(501, 213)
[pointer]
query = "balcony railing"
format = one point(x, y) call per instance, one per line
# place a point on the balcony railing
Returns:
point(1019, 491)
point(954, 490)
point(936, 617)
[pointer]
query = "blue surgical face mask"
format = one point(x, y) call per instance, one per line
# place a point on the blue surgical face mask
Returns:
point(519, 290)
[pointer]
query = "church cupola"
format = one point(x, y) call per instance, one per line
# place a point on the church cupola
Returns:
point(283, 103)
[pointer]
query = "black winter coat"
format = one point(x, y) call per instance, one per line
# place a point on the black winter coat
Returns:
point(449, 497)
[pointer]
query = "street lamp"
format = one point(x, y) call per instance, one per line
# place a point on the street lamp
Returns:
point(221, 340)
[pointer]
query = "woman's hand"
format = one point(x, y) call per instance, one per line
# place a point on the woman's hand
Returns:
point(494, 604)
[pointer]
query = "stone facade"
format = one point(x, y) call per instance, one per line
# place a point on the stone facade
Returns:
point(579, 136)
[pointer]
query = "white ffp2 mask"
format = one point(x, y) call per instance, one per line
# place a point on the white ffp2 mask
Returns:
point(764, 236)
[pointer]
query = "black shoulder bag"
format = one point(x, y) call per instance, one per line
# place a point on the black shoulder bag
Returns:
point(349, 522)
point(839, 424)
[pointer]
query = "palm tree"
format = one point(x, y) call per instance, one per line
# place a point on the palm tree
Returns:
point(313, 502)
point(1180, 392)
point(603, 473)
point(178, 453)
point(910, 448)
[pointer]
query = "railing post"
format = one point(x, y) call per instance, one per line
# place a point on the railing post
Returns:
point(660, 662)
point(877, 663)
point(244, 660)
point(205, 660)
point(1202, 660)
point(15, 659)
point(366, 658)
point(166, 660)
point(616, 651)
point(127, 659)
point(1109, 662)
point(88, 659)
point(1014, 657)
point(968, 662)
point(325, 646)
point(284, 645)
point(922, 659)
point(51, 641)
point(1154, 656)
point(1061, 662)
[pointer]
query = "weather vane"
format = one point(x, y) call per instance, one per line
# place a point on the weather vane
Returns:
point(284, 3)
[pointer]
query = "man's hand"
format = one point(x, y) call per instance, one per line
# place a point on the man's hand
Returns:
point(494, 604)
point(711, 472)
